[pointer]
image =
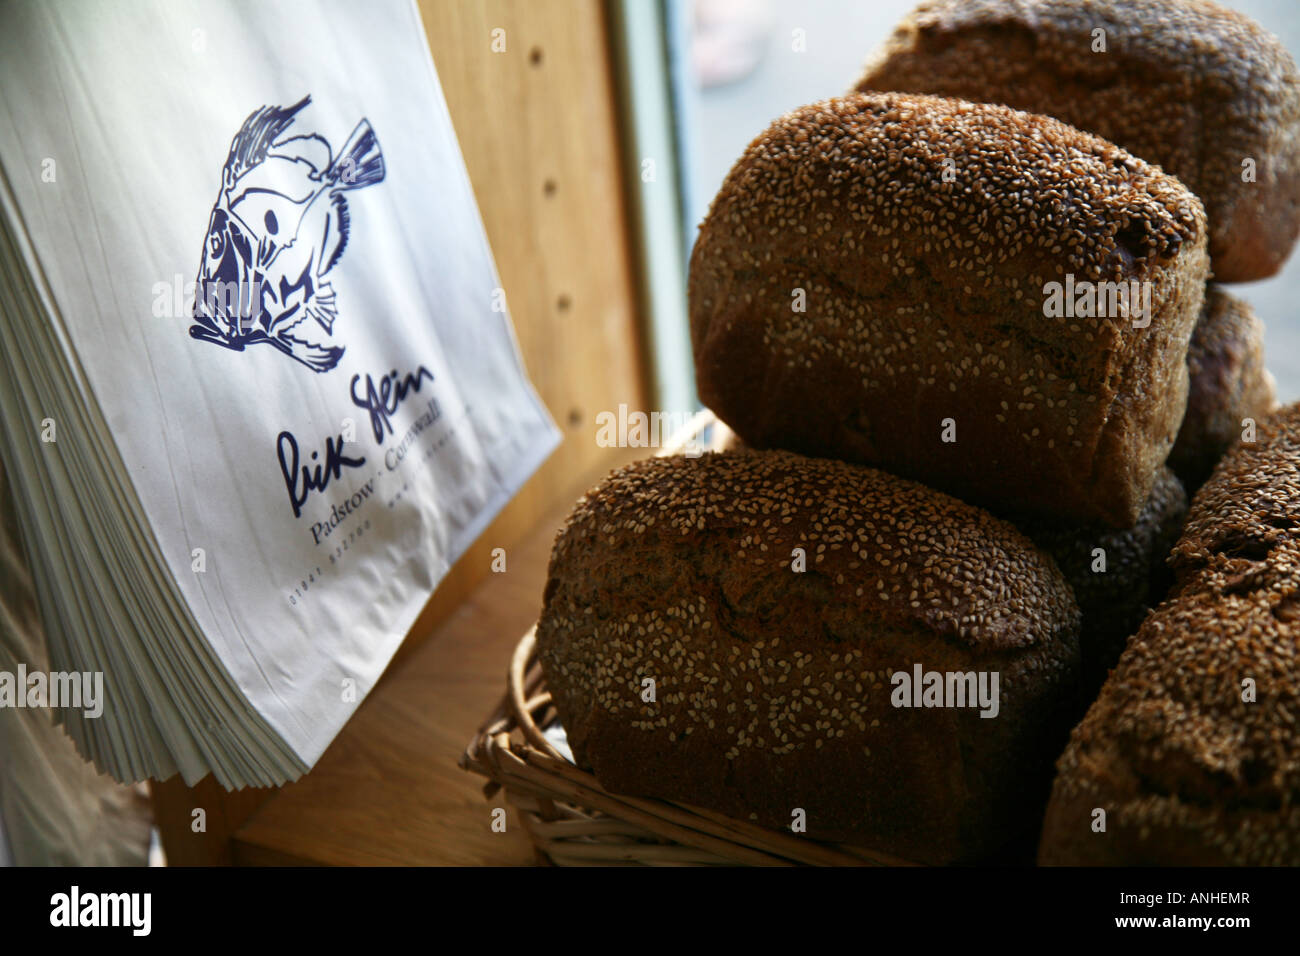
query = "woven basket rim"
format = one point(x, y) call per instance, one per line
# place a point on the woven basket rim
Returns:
point(572, 819)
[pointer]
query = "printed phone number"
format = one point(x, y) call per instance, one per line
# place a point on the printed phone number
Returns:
point(316, 575)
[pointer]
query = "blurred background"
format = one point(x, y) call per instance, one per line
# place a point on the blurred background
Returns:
point(741, 63)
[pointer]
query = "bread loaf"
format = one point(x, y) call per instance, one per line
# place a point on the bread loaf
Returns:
point(1193, 748)
point(871, 285)
point(1201, 91)
point(1228, 384)
point(1117, 574)
point(771, 598)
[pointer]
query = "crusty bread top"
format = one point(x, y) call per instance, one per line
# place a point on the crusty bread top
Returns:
point(1025, 180)
point(1227, 48)
point(918, 558)
point(1029, 190)
point(1225, 87)
point(1170, 731)
point(1249, 510)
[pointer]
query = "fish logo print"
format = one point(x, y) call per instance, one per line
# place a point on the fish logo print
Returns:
point(279, 225)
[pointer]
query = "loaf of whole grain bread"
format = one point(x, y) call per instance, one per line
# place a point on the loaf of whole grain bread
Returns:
point(1192, 751)
point(1202, 91)
point(1117, 574)
point(770, 599)
point(881, 279)
point(1228, 385)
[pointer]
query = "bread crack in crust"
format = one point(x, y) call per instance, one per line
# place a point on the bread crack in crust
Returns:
point(924, 233)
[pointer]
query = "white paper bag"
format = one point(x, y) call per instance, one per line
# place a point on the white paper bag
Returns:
point(346, 410)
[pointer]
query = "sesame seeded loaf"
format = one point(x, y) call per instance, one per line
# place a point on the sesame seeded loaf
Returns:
point(923, 347)
point(1115, 596)
point(1229, 384)
point(1190, 86)
point(773, 685)
point(1187, 770)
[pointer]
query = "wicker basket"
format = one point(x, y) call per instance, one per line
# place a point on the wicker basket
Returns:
point(573, 821)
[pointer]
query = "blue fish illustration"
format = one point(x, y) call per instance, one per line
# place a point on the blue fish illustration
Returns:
point(279, 225)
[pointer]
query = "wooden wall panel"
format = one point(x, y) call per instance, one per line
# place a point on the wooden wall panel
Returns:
point(538, 127)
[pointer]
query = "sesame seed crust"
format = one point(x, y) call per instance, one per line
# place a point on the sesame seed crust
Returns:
point(1188, 85)
point(1187, 770)
point(1228, 383)
point(924, 301)
point(773, 685)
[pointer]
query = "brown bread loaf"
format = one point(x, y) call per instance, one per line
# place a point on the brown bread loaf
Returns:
point(773, 685)
point(1228, 384)
point(1190, 86)
point(1186, 768)
point(1115, 594)
point(920, 236)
